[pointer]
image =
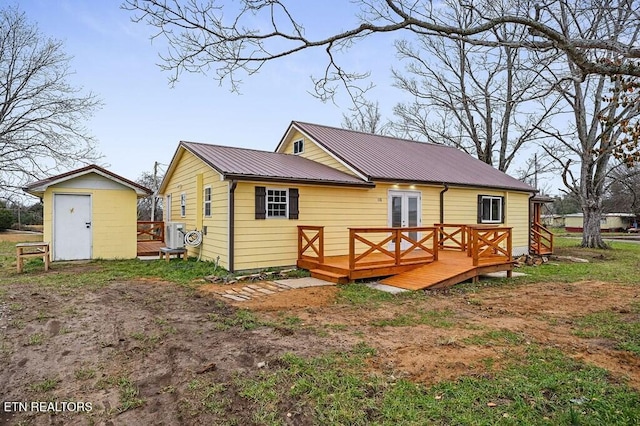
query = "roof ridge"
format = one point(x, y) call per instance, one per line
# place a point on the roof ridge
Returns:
point(375, 134)
point(228, 147)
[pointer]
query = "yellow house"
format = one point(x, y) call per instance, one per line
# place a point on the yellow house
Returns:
point(89, 213)
point(249, 203)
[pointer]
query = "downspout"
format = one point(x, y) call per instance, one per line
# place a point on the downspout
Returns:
point(445, 189)
point(232, 223)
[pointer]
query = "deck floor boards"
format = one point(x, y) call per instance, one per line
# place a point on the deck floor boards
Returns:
point(149, 248)
point(450, 265)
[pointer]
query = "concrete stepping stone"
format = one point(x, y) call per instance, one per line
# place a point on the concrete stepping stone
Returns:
point(236, 298)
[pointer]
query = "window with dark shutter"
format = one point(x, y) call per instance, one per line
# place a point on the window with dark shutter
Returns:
point(490, 209)
point(293, 203)
point(261, 202)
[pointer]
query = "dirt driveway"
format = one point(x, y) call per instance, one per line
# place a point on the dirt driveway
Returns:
point(137, 351)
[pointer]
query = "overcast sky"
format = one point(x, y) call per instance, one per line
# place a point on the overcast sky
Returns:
point(143, 118)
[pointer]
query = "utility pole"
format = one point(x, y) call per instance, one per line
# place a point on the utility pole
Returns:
point(155, 191)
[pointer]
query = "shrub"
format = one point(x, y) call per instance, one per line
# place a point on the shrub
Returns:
point(6, 219)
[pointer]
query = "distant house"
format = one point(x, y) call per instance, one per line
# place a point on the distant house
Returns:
point(553, 220)
point(89, 213)
point(610, 222)
point(249, 203)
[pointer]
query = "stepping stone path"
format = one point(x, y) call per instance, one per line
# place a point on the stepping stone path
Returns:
point(244, 292)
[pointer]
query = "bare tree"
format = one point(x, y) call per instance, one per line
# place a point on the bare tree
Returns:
point(150, 208)
point(229, 39)
point(40, 112)
point(482, 100)
point(365, 117)
point(599, 110)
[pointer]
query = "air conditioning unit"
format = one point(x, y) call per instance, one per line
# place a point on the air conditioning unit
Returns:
point(174, 235)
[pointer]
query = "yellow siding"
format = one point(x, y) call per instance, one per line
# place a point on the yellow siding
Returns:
point(461, 207)
point(114, 223)
point(313, 152)
point(185, 178)
point(114, 217)
point(273, 242)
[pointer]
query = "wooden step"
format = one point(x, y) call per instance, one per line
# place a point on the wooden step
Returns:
point(329, 276)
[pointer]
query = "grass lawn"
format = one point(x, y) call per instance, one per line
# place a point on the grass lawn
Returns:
point(339, 364)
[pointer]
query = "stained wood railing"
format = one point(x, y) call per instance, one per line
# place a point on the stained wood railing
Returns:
point(311, 243)
point(380, 247)
point(490, 244)
point(150, 230)
point(452, 236)
point(541, 239)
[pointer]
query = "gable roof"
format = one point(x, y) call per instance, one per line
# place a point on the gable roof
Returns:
point(39, 187)
point(391, 159)
point(256, 165)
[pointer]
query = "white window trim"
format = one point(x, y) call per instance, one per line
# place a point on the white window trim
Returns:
point(266, 203)
point(301, 141)
point(500, 213)
point(205, 202)
point(167, 208)
point(183, 204)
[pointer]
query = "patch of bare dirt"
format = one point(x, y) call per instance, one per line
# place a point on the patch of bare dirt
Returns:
point(165, 340)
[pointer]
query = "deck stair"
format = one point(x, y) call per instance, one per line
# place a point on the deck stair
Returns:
point(331, 277)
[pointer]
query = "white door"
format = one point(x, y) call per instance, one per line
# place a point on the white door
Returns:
point(71, 227)
point(404, 212)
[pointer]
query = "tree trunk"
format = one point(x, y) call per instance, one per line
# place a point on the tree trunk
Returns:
point(591, 236)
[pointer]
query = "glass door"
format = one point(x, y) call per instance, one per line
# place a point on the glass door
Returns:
point(404, 212)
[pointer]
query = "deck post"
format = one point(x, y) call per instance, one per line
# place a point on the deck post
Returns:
point(398, 245)
point(352, 249)
point(436, 243)
point(321, 244)
point(299, 242)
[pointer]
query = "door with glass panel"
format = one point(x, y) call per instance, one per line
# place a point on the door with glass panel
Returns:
point(404, 212)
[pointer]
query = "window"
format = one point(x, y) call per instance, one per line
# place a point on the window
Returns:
point(183, 204)
point(298, 146)
point(272, 202)
point(207, 201)
point(490, 209)
point(276, 203)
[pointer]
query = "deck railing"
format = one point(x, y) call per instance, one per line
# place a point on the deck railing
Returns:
point(311, 243)
point(452, 236)
point(490, 244)
point(150, 230)
point(541, 239)
point(380, 247)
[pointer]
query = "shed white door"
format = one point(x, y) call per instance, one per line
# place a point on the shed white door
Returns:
point(71, 227)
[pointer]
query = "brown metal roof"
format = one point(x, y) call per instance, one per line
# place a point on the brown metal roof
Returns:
point(39, 186)
point(386, 158)
point(241, 163)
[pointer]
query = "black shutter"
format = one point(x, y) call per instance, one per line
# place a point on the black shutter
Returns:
point(293, 203)
point(479, 208)
point(261, 202)
point(504, 208)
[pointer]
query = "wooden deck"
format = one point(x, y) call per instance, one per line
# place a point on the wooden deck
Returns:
point(150, 238)
point(150, 247)
point(430, 257)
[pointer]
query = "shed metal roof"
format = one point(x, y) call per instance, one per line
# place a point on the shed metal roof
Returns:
point(39, 187)
point(392, 159)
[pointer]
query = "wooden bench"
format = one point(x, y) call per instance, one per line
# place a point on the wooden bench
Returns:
point(37, 249)
point(166, 252)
